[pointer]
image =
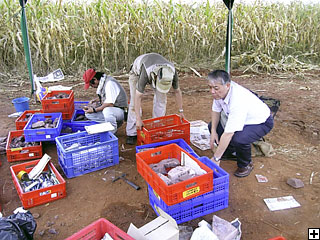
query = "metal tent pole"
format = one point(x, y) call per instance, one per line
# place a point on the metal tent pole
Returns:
point(26, 45)
point(229, 4)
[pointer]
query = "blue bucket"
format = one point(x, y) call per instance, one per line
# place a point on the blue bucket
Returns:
point(21, 104)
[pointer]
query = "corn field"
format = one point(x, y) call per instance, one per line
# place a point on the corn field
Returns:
point(109, 35)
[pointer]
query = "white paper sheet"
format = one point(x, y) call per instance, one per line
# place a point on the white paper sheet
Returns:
point(98, 128)
point(281, 203)
point(56, 75)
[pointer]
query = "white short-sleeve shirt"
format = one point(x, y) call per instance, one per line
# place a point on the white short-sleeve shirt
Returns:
point(111, 90)
point(242, 107)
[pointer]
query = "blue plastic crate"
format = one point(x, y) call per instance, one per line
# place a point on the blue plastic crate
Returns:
point(42, 134)
point(78, 105)
point(65, 124)
point(80, 153)
point(79, 125)
point(201, 205)
point(180, 142)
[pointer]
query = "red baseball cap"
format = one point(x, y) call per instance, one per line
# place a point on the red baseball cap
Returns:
point(87, 76)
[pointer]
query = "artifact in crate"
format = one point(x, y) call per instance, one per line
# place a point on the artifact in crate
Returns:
point(201, 183)
point(18, 149)
point(45, 185)
point(37, 178)
point(171, 171)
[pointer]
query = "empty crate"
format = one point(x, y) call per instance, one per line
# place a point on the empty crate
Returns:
point(81, 153)
point(163, 129)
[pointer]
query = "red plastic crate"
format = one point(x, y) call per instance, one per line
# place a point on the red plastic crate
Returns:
point(63, 105)
point(68, 115)
point(178, 192)
point(25, 153)
point(20, 123)
point(40, 196)
point(97, 229)
point(163, 129)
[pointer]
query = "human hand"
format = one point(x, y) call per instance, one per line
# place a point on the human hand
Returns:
point(88, 110)
point(215, 161)
point(181, 116)
point(139, 124)
point(92, 101)
point(214, 140)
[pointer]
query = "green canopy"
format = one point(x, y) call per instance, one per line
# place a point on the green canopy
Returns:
point(229, 4)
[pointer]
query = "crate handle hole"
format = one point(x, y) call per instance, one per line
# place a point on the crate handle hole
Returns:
point(156, 153)
point(200, 205)
point(191, 184)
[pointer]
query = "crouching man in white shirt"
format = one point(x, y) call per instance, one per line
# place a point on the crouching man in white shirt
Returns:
point(248, 119)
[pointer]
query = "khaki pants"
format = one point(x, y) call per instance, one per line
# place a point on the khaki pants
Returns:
point(159, 105)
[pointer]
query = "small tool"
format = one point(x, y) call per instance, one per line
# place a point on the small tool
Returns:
point(123, 176)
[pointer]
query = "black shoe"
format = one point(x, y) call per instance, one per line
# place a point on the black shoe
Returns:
point(131, 140)
point(244, 171)
point(229, 156)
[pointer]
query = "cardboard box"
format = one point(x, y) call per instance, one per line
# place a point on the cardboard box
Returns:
point(163, 227)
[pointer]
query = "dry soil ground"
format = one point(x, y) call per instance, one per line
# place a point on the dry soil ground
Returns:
point(295, 138)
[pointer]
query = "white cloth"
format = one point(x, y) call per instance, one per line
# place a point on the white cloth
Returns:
point(242, 107)
point(159, 105)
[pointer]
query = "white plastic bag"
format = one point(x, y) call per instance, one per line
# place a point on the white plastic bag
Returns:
point(203, 232)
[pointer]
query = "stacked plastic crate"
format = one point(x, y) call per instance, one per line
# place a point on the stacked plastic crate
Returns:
point(65, 105)
point(26, 144)
point(18, 148)
point(57, 113)
point(189, 199)
point(207, 203)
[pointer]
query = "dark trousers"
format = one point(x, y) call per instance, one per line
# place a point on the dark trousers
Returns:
point(241, 140)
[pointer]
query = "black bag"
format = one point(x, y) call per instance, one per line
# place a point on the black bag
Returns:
point(19, 226)
point(273, 104)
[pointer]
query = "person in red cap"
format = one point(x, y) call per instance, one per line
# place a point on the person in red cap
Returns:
point(111, 103)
